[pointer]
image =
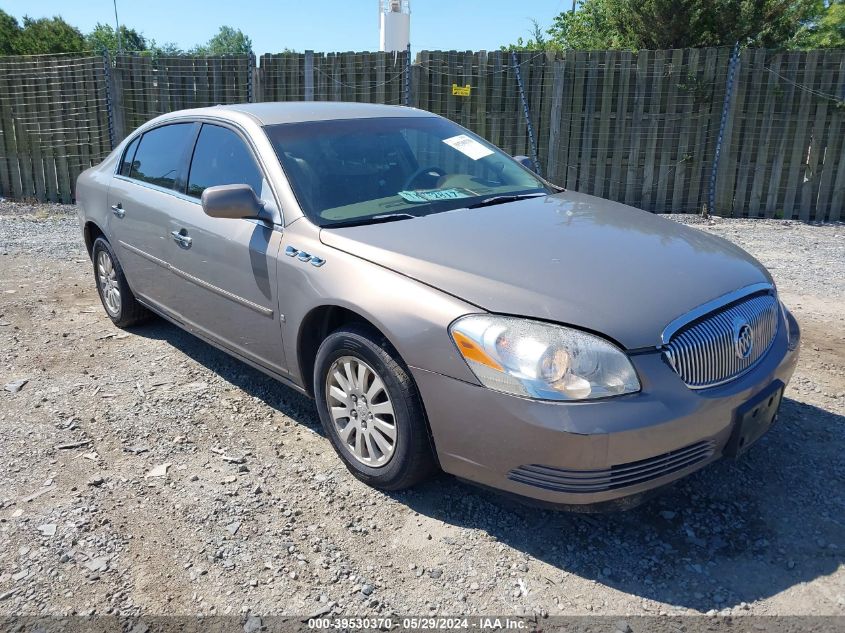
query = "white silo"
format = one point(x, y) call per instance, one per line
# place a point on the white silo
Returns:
point(394, 21)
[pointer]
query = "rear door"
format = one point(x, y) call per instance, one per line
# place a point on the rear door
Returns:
point(229, 290)
point(143, 196)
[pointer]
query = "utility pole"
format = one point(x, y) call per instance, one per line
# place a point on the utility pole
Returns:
point(117, 26)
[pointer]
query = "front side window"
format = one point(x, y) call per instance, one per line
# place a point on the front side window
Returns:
point(358, 170)
point(161, 153)
point(222, 158)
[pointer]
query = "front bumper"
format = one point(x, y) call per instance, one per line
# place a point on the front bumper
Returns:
point(653, 437)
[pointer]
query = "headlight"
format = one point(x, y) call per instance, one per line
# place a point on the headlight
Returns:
point(543, 361)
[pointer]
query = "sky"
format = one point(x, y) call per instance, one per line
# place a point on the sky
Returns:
point(326, 25)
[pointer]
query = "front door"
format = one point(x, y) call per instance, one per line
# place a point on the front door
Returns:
point(227, 268)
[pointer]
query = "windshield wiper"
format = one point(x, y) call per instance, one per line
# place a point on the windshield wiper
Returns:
point(372, 219)
point(488, 202)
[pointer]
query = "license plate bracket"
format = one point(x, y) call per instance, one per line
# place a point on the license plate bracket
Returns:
point(753, 419)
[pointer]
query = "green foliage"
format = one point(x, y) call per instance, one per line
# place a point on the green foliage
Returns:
point(54, 35)
point(9, 31)
point(825, 30)
point(228, 41)
point(167, 49)
point(105, 37)
point(593, 26)
point(47, 35)
point(662, 24)
point(537, 42)
point(697, 23)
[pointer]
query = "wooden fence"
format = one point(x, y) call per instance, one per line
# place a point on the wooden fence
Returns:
point(785, 137)
point(54, 123)
point(145, 87)
point(643, 128)
point(360, 77)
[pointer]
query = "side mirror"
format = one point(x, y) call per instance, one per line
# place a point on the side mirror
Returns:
point(231, 201)
point(525, 161)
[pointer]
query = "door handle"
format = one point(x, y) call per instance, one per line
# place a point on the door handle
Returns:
point(118, 210)
point(181, 238)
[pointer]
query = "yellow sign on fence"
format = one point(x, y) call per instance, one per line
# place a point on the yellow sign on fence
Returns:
point(461, 91)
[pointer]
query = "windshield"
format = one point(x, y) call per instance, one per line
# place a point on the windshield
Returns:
point(367, 170)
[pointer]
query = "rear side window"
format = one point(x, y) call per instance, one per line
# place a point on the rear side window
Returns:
point(128, 156)
point(222, 158)
point(160, 154)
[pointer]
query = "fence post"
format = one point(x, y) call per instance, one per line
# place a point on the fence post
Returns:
point(309, 75)
point(408, 75)
point(109, 103)
point(250, 78)
point(117, 99)
point(526, 112)
point(555, 117)
point(726, 106)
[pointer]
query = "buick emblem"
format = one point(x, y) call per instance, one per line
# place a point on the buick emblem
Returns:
point(743, 339)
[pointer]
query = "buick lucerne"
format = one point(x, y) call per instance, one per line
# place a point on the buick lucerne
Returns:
point(446, 307)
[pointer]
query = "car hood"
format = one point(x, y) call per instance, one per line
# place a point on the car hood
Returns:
point(570, 258)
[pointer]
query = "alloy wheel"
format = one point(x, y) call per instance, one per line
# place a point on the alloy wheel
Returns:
point(361, 411)
point(107, 278)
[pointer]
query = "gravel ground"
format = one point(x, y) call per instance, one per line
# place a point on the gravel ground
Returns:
point(146, 472)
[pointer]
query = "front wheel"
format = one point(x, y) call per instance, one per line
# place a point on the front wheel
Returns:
point(370, 409)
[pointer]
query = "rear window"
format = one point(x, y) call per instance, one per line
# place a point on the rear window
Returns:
point(128, 156)
point(161, 153)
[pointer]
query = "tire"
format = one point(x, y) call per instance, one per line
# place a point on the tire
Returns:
point(410, 460)
point(120, 304)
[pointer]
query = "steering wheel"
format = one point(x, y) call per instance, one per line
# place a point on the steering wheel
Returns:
point(428, 171)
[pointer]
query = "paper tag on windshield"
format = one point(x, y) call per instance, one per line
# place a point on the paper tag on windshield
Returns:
point(433, 195)
point(468, 146)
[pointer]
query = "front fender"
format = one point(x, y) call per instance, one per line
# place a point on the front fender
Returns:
point(414, 317)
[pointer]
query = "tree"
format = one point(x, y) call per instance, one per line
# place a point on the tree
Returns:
point(105, 37)
point(228, 41)
point(9, 31)
point(697, 23)
point(826, 29)
point(536, 42)
point(660, 24)
point(48, 35)
point(591, 27)
point(167, 49)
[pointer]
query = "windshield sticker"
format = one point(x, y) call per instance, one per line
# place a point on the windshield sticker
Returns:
point(468, 146)
point(433, 195)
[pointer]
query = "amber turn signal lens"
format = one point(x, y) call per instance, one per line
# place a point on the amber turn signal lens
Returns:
point(470, 351)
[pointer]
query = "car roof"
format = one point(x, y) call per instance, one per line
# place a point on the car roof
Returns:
point(300, 111)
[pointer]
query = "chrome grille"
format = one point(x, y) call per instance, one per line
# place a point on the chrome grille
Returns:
point(704, 353)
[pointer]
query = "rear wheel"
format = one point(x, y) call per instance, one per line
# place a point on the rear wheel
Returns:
point(119, 302)
point(370, 409)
